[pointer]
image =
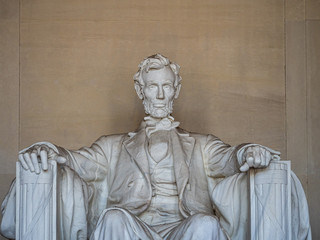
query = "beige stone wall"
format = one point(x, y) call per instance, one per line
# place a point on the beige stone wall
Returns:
point(9, 92)
point(249, 73)
point(77, 63)
point(303, 98)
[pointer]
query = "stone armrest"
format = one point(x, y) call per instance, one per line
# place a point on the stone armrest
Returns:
point(270, 202)
point(36, 203)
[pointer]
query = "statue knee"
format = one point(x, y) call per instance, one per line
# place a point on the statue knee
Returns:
point(208, 225)
point(203, 220)
point(114, 217)
point(113, 224)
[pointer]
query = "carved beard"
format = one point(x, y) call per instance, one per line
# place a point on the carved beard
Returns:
point(157, 112)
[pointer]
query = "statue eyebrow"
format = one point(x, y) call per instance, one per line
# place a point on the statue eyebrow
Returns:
point(166, 81)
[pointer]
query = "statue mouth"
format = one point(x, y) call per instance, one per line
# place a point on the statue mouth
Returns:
point(159, 105)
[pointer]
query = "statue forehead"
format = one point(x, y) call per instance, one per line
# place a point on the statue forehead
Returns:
point(161, 74)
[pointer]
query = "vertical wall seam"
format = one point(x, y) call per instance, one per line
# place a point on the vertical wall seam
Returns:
point(307, 92)
point(19, 107)
point(285, 77)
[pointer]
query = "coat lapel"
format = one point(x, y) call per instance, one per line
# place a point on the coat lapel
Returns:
point(182, 148)
point(135, 146)
point(187, 144)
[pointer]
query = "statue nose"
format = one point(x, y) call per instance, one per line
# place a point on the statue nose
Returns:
point(160, 94)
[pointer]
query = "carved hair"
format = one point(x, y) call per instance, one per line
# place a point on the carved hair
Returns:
point(157, 61)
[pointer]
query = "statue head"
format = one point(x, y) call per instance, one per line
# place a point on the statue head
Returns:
point(157, 83)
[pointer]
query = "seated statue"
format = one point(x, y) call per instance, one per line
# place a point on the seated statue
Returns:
point(158, 182)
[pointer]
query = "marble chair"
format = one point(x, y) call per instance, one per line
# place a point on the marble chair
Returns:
point(269, 190)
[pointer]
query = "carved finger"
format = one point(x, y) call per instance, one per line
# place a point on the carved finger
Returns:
point(44, 159)
point(61, 160)
point(265, 158)
point(23, 162)
point(275, 156)
point(245, 167)
point(250, 158)
point(268, 158)
point(263, 161)
point(250, 149)
point(44, 147)
point(257, 157)
point(262, 157)
point(257, 162)
point(26, 156)
point(34, 159)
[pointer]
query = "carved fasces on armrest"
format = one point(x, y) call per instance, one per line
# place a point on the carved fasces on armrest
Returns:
point(36, 203)
point(270, 202)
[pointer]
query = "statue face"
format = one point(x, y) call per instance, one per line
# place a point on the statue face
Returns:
point(159, 92)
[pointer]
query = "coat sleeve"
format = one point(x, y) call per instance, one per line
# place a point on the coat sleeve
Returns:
point(93, 165)
point(81, 199)
point(221, 159)
point(90, 163)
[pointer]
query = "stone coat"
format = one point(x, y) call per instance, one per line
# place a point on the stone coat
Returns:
point(116, 170)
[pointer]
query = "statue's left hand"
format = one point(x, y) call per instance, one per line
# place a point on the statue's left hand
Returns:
point(256, 157)
point(31, 157)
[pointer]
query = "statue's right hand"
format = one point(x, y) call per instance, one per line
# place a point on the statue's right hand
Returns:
point(36, 154)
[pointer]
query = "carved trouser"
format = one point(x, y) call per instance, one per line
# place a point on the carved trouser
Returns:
point(118, 223)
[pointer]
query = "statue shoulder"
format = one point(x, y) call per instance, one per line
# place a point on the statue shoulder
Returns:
point(111, 139)
point(198, 136)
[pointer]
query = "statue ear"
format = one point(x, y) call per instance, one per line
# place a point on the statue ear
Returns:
point(176, 95)
point(138, 88)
